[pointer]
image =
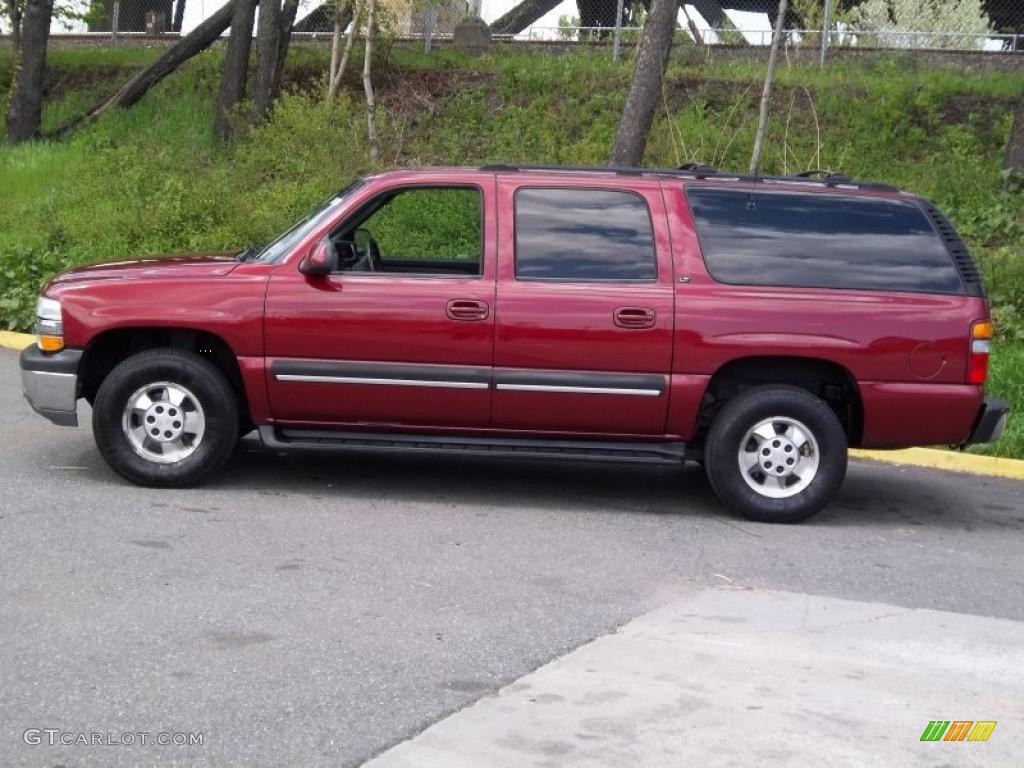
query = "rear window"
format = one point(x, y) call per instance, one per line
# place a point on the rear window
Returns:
point(582, 235)
point(820, 241)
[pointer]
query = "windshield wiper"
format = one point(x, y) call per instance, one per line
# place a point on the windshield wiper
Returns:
point(249, 252)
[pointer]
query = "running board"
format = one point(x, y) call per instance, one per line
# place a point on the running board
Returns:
point(633, 451)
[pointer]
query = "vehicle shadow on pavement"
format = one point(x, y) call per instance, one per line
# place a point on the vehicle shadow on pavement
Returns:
point(873, 495)
point(592, 487)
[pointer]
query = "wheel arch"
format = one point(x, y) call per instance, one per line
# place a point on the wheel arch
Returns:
point(832, 382)
point(108, 349)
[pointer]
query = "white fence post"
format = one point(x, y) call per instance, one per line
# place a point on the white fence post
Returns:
point(428, 38)
point(114, 22)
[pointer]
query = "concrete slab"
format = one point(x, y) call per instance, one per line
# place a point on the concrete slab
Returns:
point(742, 676)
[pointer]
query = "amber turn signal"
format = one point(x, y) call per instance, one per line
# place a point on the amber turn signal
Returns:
point(50, 343)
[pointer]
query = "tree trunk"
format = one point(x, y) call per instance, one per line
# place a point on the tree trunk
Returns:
point(288, 12)
point(335, 50)
point(179, 16)
point(371, 105)
point(521, 16)
point(236, 68)
point(638, 114)
point(766, 94)
point(268, 32)
point(339, 71)
point(14, 14)
point(26, 105)
point(1015, 147)
point(131, 92)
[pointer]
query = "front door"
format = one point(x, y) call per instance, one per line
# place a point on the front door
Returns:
point(585, 308)
point(402, 334)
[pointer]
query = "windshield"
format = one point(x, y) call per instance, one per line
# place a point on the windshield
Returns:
point(283, 245)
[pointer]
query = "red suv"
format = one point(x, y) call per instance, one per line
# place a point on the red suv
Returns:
point(757, 325)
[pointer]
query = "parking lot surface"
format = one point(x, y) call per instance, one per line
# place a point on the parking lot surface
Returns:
point(316, 610)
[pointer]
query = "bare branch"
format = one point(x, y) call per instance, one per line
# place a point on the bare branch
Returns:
point(766, 94)
point(371, 105)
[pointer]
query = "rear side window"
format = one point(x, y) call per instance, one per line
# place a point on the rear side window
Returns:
point(820, 241)
point(581, 235)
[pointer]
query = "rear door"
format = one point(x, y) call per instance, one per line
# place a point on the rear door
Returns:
point(584, 307)
point(403, 333)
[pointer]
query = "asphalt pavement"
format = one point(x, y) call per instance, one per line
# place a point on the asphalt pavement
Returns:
point(317, 610)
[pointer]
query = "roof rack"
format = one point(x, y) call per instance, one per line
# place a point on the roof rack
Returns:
point(700, 171)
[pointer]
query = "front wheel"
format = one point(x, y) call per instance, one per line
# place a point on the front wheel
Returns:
point(165, 417)
point(776, 454)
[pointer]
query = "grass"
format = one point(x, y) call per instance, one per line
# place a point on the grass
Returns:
point(153, 179)
point(1006, 380)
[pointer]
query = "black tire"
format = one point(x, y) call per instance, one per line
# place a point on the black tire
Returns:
point(725, 441)
point(203, 380)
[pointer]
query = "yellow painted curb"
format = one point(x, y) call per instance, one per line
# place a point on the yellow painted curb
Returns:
point(13, 340)
point(953, 461)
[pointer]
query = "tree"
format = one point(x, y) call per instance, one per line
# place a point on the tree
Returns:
point(196, 41)
point(288, 12)
point(236, 68)
point(766, 94)
point(268, 32)
point(138, 86)
point(337, 69)
point(25, 107)
point(371, 104)
point(645, 89)
point(13, 10)
point(891, 21)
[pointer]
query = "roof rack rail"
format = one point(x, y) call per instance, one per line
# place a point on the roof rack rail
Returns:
point(700, 171)
point(826, 175)
point(698, 168)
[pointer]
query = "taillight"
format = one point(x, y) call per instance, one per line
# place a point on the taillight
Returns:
point(981, 344)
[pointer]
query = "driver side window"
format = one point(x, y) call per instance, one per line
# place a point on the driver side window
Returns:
point(418, 231)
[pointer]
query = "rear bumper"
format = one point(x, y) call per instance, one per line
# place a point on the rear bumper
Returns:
point(991, 421)
point(50, 383)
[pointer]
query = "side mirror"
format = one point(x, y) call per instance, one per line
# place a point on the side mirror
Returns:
point(321, 260)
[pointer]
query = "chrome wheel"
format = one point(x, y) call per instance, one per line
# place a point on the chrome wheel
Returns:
point(779, 457)
point(163, 422)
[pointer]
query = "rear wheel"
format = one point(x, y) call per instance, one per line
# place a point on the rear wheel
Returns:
point(165, 417)
point(776, 454)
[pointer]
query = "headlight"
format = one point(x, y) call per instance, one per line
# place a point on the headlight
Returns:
point(49, 325)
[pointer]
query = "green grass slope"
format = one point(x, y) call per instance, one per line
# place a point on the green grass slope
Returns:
point(153, 179)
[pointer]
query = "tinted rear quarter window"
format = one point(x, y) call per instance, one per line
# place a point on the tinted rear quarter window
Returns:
point(581, 235)
point(820, 241)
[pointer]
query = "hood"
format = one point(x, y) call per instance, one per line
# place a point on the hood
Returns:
point(182, 265)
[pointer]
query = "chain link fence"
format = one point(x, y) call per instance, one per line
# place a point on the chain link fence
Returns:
point(968, 25)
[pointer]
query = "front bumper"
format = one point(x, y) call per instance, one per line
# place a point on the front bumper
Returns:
point(990, 423)
point(49, 382)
